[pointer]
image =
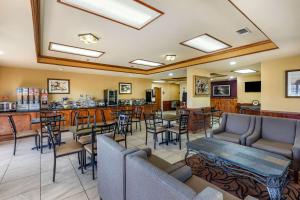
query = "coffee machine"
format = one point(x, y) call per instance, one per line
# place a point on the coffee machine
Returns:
point(111, 97)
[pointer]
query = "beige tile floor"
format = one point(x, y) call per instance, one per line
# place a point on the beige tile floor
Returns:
point(28, 175)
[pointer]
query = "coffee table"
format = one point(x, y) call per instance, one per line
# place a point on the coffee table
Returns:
point(266, 168)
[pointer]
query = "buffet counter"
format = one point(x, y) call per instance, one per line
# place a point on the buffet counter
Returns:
point(23, 118)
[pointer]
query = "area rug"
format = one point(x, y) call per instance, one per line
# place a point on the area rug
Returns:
point(236, 185)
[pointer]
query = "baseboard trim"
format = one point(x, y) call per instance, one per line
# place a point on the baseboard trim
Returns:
point(290, 115)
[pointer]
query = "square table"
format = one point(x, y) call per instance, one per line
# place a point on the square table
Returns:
point(266, 168)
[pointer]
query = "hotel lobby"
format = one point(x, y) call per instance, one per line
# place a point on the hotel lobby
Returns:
point(149, 100)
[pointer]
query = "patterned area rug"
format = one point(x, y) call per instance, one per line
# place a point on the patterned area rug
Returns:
point(238, 186)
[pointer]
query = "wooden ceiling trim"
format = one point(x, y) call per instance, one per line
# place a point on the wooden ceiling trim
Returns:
point(87, 65)
point(226, 54)
point(35, 10)
point(230, 53)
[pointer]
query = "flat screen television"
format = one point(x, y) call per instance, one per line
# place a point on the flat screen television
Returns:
point(254, 86)
point(221, 90)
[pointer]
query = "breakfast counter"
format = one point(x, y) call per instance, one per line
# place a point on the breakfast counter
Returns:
point(23, 118)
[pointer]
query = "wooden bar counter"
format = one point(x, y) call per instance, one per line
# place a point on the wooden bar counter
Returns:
point(23, 118)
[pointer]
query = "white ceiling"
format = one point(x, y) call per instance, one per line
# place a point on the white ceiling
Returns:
point(280, 21)
point(182, 21)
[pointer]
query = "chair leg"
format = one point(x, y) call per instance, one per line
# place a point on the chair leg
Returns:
point(296, 176)
point(140, 125)
point(54, 169)
point(93, 166)
point(154, 140)
point(187, 137)
point(36, 142)
point(179, 141)
point(41, 143)
point(81, 161)
point(126, 143)
point(146, 138)
point(15, 146)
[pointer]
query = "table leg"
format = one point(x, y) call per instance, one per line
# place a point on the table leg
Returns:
point(275, 186)
point(274, 193)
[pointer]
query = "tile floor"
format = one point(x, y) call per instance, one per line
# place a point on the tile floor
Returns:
point(28, 175)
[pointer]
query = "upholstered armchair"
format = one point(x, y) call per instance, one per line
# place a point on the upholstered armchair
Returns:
point(234, 128)
point(278, 135)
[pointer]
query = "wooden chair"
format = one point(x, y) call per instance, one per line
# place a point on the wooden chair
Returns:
point(82, 128)
point(122, 128)
point(137, 117)
point(69, 148)
point(181, 129)
point(153, 128)
point(215, 116)
point(21, 134)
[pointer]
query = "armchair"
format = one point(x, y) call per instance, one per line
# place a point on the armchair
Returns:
point(234, 128)
point(278, 135)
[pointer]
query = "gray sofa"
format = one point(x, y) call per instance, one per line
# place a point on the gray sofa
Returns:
point(134, 174)
point(277, 135)
point(234, 128)
point(155, 184)
point(111, 168)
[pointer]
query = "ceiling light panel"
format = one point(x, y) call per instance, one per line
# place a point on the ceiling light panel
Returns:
point(74, 50)
point(206, 43)
point(133, 13)
point(146, 63)
point(245, 71)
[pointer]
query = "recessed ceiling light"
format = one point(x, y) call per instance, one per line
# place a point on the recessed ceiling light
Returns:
point(245, 71)
point(206, 43)
point(1, 52)
point(146, 63)
point(231, 77)
point(170, 74)
point(74, 50)
point(158, 81)
point(88, 38)
point(170, 57)
point(232, 63)
point(136, 14)
point(60, 69)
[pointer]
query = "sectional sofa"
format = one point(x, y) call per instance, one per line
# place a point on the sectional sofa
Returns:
point(276, 135)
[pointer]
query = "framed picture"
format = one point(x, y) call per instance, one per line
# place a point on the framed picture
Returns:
point(125, 88)
point(221, 90)
point(292, 83)
point(201, 86)
point(58, 86)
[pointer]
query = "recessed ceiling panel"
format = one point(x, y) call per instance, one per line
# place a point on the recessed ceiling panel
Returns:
point(133, 13)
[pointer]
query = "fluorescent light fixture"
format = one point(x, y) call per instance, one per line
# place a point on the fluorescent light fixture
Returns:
point(158, 81)
point(170, 57)
point(232, 63)
point(88, 38)
point(146, 63)
point(245, 71)
point(74, 50)
point(135, 14)
point(170, 74)
point(206, 43)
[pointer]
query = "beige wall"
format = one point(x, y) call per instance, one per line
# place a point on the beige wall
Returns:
point(195, 101)
point(11, 78)
point(273, 85)
point(247, 97)
point(170, 91)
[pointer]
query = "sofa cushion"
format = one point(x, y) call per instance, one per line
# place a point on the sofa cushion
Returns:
point(182, 174)
point(281, 148)
point(229, 137)
point(278, 129)
point(237, 123)
point(199, 184)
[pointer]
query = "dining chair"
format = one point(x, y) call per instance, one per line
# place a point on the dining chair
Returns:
point(82, 128)
point(91, 148)
point(121, 128)
point(21, 134)
point(68, 148)
point(137, 117)
point(153, 128)
point(45, 116)
point(181, 129)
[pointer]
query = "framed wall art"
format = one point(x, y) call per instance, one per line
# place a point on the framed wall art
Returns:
point(58, 86)
point(292, 83)
point(201, 86)
point(125, 88)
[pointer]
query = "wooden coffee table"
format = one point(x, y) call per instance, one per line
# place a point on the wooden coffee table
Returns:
point(266, 168)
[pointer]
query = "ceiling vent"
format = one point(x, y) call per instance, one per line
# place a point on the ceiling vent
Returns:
point(215, 75)
point(243, 31)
